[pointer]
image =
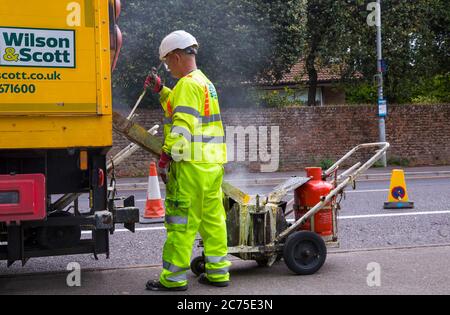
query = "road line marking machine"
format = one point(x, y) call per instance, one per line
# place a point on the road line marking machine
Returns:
point(258, 228)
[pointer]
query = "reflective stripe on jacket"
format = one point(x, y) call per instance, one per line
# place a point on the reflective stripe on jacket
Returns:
point(193, 129)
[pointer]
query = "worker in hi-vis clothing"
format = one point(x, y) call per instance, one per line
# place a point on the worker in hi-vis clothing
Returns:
point(191, 165)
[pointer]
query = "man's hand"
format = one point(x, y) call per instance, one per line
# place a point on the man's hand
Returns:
point(163, 166)
point(153, 82)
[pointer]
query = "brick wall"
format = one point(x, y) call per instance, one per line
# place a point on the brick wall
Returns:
point(419, 134)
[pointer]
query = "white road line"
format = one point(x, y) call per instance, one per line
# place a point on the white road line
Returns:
point(157, 228)
point(351, 217)
point(406, 214)
point(291, 194)
point(387, 215)
point(367, 191)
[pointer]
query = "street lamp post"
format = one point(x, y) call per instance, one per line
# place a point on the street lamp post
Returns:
point(382, 105)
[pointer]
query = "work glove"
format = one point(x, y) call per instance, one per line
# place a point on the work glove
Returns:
point(163, 166)
point(153, 82)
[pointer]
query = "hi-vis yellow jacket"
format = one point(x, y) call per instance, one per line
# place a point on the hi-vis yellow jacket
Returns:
point(193, 129)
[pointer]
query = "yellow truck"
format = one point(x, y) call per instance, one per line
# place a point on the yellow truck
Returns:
point(56, 60)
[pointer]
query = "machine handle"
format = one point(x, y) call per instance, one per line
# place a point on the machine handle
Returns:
point(384, 147)
point(350, 177)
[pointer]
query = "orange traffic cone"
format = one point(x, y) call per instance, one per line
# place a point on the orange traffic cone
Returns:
point(154, 210)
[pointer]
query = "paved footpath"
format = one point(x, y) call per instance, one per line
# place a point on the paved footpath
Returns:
point(416, 270)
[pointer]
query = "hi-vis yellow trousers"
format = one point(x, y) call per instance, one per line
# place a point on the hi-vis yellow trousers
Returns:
point(194, 203)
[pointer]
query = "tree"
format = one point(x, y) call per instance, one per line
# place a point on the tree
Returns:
point(239, 39)
point(242, 40)
point(321, 21)
point(330, 34)
point(415, 43)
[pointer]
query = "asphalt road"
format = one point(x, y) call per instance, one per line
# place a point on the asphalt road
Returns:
point(403, 242)
point(363, 224)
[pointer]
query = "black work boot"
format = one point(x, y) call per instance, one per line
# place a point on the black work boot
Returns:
point(155, 285)
point(204, 280)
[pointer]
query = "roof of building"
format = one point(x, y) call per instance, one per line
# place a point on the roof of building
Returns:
point(298, 74)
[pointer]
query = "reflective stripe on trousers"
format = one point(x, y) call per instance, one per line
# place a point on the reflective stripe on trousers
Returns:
point(178, 278)
point(172, 268)
point(215, 259)
point(176, 220)
point(195, 190)
point(221, 271)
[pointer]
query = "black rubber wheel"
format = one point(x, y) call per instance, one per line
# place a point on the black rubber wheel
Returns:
point(305, 252)
point(198, 265)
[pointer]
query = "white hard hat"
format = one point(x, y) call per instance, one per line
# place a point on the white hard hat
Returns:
point(176, 40)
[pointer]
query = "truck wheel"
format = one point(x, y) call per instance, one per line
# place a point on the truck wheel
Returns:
point(305, 252)
point(198, 265)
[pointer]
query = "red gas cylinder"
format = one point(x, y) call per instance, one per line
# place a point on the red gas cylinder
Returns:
point(307, 196)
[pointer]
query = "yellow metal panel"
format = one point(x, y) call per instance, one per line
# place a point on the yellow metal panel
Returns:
point(39, 108)
point(103, 58)
point(69, 93)
point(59, 132)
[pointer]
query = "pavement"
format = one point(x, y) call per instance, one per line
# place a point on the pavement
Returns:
point(414, 270)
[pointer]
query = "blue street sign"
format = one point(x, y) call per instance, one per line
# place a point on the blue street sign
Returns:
point(382, 108)
point(384, 66)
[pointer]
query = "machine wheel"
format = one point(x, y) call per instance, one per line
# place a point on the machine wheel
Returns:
point(305, 252)
point(198, 265)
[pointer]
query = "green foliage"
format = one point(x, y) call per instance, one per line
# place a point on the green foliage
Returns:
point(398, 161)
point(272, 98)
point(378, 164)
point(275, 98)
point(326, 163)
point(415, 43)
point(242, 39)
point(360, 93)
point(239, 39)
point(435, 90)
point(423, 91)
